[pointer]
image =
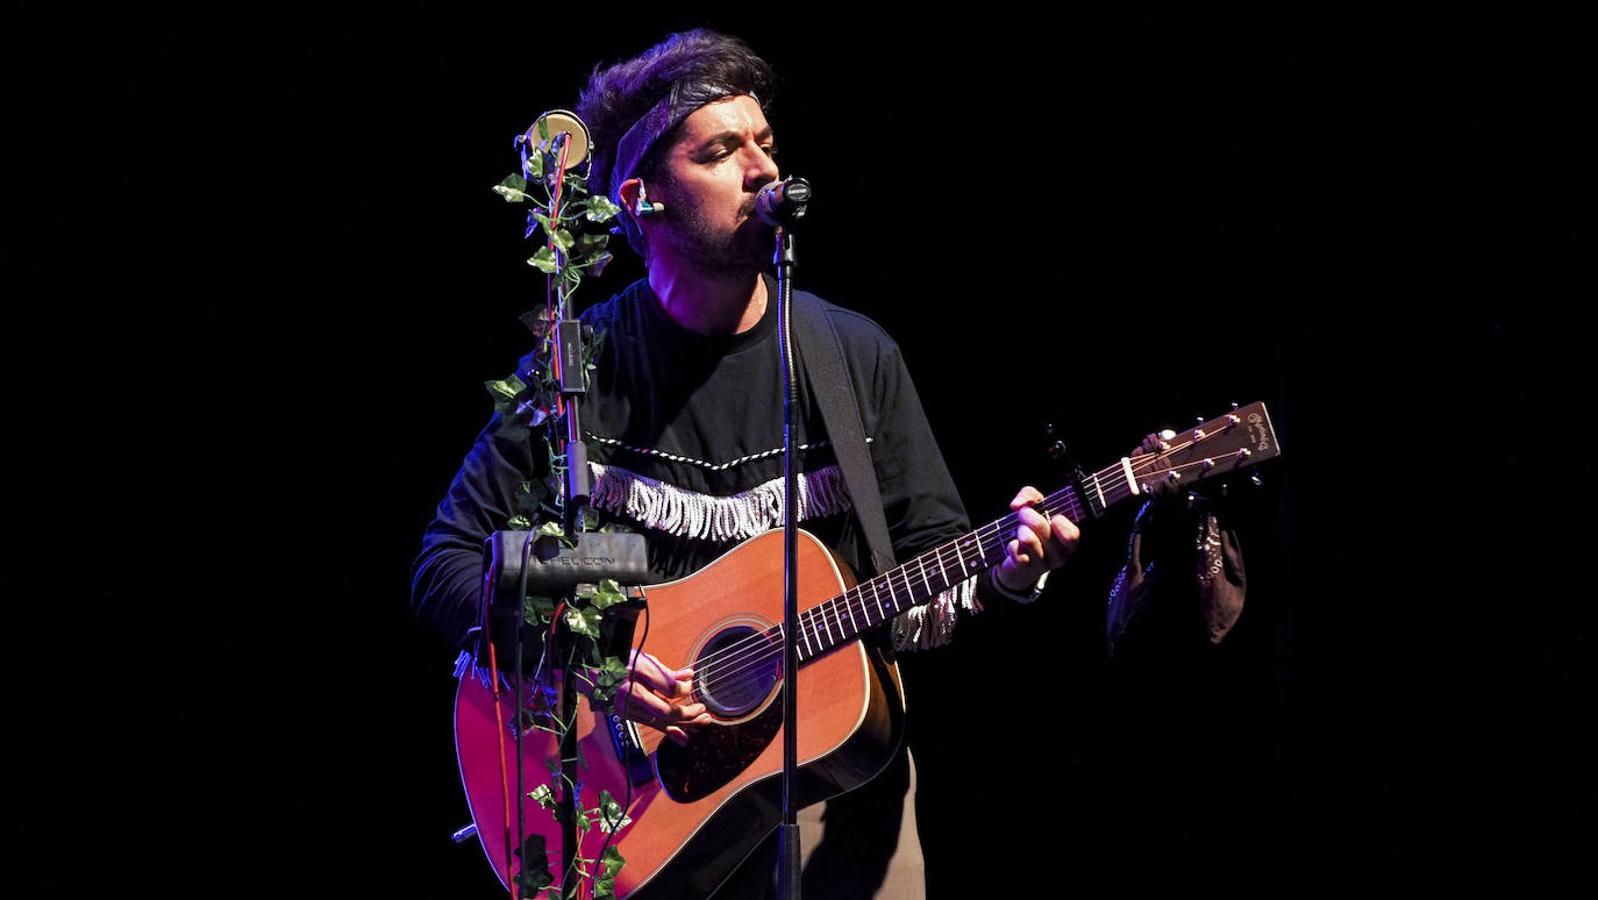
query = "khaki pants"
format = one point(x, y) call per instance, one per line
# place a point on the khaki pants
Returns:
point(862, 845)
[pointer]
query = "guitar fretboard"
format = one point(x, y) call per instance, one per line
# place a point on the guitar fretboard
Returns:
point(876, 600)
point(1221, 445)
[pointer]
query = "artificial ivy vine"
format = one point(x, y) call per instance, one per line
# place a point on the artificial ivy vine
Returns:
point(560, 208)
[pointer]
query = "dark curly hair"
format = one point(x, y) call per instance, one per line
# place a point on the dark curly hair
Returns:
point(700, 66)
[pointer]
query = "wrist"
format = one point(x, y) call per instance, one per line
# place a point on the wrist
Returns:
point(1023, 594)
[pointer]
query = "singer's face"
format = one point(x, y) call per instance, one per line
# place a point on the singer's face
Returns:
point(719, 162)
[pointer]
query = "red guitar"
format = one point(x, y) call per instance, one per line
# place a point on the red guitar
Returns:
point(696, 811)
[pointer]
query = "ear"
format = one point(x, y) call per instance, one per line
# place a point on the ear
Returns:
point(629, 196)
point(641, 204)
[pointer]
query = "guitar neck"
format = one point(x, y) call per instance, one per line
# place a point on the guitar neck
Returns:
point(1225, 444)
point(877, 600)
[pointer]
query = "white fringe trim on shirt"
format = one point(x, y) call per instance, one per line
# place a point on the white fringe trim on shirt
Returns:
point(677, 511)
point(932, 624)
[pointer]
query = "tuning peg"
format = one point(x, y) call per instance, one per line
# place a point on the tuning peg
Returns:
point(1057, 450)
point(1256, 481)
point(1208, 464)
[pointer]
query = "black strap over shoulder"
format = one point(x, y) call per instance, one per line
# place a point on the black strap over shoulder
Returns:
point(822, 350)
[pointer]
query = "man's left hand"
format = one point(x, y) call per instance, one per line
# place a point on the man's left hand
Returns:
point(1040, 545)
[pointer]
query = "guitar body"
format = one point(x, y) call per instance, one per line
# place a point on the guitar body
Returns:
point(698, 810)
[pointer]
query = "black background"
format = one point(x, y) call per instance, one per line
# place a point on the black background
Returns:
point(256, 278)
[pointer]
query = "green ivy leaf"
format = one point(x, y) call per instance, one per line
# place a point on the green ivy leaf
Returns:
point(507, 388)
point(584, 621)
point(610, 672)
point(535, 163)
point(563, 239)
point(605, 884)
point(611, 818)
point(609, 594)
point(543, 796)
point(519, 522)
point(538, 609)
point(513, 189)
point(544, 261)
point(600, 209)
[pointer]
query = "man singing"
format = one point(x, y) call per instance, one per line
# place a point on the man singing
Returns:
point(684, 424)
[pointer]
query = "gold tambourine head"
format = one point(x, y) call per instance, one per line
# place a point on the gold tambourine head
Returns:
point(543, 133)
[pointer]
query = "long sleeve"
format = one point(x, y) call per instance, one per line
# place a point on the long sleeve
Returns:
point(446, 582)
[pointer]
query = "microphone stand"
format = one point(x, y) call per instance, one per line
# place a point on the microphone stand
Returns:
point(788, 853)
point(795, 194)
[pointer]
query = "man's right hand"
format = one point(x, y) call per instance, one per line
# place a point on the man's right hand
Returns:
point(657, 695)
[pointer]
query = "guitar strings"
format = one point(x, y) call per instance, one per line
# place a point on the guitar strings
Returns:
point(740, 659)
point(752, 654)
point(978, 541)
point(758, 656)
point(1110, 480)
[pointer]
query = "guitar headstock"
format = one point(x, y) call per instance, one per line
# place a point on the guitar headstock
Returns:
point(1238, 440)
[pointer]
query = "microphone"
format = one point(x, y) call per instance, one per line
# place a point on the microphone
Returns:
point(782, 204)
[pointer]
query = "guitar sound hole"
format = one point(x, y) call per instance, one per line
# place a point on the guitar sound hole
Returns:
point(736, 670)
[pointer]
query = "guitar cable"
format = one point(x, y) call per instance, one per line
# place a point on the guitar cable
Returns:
point(521, 698)
point(499, 711)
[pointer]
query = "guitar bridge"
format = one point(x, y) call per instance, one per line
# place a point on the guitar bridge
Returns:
point(629, 747)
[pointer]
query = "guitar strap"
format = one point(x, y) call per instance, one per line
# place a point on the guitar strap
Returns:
point(821, 350)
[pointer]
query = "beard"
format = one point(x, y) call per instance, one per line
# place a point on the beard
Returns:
point(715, 249)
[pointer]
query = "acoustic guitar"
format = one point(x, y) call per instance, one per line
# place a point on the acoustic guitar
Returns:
point(694, 812)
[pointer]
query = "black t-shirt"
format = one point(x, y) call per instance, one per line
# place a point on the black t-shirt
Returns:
point(685, 441)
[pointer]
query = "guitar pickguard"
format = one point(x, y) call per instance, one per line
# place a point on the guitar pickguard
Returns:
point(716, 755)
